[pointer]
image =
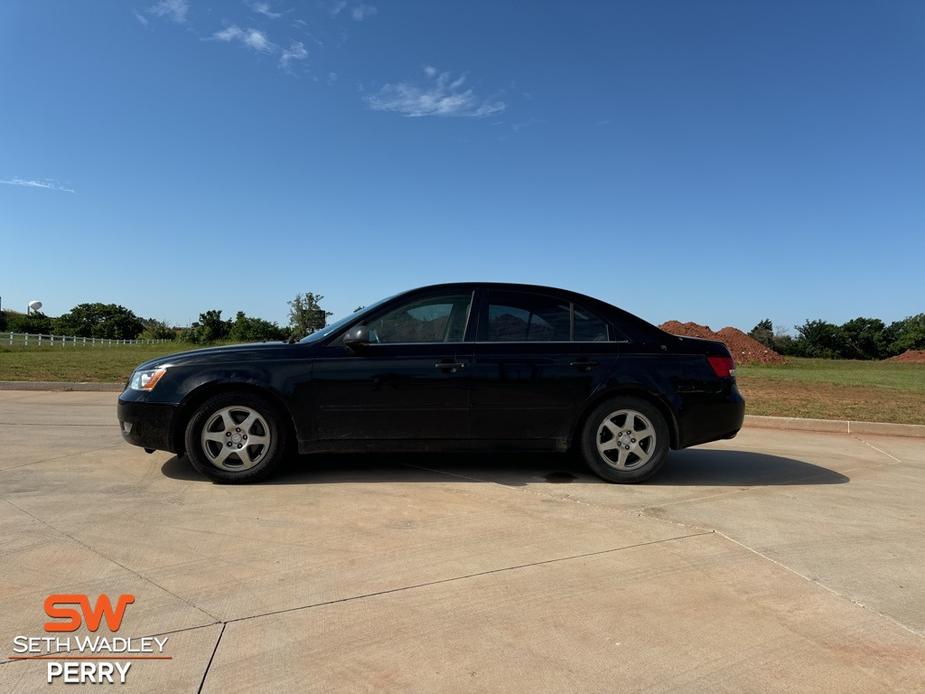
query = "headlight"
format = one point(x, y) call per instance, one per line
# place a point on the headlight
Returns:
point(147, 379)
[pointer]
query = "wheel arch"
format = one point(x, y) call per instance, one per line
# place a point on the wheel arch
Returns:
point(628, 391)
point(196, 397)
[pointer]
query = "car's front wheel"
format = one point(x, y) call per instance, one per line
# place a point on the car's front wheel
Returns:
point(625, 440)
point(236, 437)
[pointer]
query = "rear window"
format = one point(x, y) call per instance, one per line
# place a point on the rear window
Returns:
point(589, 327)
point(523, 317)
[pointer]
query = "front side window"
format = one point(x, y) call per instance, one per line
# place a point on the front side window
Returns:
point(435, 319)
point(523, 317)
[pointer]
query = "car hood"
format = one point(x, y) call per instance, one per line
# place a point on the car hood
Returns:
point(213, 355)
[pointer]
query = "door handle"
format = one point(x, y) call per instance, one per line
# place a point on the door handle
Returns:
point(583, 364)
point(453, 366)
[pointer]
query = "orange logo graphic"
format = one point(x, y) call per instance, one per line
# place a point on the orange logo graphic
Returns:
point(55, 607)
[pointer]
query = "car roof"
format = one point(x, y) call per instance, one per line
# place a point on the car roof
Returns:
point(512, 286)
point(584, 299)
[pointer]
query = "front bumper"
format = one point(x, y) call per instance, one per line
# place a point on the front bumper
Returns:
point(147, 424)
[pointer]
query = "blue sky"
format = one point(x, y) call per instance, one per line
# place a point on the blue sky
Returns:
point(719, 162)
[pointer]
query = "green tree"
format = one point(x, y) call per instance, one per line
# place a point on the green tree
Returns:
point(306, 315)
point(863, 339)
point(764, 333)
point(100, 320)
point(819, 338)
point(908, 333)
point(248, 329)
point(210, 326)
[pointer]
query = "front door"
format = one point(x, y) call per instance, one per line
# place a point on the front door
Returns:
point(409, 383)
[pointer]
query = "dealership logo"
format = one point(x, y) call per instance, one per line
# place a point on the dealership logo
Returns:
point(92, 616)
point(97, 659)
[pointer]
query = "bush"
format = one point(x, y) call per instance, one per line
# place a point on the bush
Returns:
point(36, 323)
point(157, 330)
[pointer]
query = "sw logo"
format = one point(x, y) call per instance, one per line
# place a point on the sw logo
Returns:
point(91, 616)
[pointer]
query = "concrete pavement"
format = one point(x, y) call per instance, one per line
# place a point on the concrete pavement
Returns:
point(778, 560)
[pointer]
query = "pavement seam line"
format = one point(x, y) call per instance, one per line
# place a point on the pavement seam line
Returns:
point(464, 577)
point(110, 559)
point(793, 571)
point(211, 658)
point(879, 450)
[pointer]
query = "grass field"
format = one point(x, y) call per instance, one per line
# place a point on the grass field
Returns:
point(858, 390)
point(79, 363)
point(872, 391)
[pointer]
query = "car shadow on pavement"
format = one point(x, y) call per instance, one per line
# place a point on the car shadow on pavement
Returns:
point(691, 467)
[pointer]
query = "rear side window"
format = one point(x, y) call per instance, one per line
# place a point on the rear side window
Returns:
point(524, 317)
point(589, 327)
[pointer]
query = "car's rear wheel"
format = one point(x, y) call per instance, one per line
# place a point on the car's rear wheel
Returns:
point(625, 440)
point(236, 437)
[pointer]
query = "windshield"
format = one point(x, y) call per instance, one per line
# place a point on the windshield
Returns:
point(338, 324)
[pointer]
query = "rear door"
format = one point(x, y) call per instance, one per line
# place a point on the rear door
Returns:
point(410, 383)
point(536, 359)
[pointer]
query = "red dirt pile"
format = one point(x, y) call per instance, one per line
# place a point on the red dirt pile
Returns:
point(910, 356)
point(745, 349)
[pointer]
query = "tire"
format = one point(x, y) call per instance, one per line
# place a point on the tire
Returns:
point(622, 457)
point(237, 437)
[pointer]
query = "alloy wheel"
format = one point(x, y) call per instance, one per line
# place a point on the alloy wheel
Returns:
point(235, 438)
point(626, 439)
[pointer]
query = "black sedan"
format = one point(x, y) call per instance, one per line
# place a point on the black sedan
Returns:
point(468, 366)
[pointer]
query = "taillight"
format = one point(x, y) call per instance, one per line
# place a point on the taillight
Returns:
point(723, 367)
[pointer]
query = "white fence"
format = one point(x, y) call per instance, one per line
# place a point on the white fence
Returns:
point(33, 340)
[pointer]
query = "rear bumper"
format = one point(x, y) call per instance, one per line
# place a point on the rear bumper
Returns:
point(710, 418)
point(147, 424)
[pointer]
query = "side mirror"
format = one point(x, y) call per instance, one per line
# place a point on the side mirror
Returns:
point(357, 336)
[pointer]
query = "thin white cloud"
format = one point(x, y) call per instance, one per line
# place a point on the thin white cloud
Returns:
point(441, 95)
point(517, 127)
point(265, 9)
point(174, 10)
point(252, 38)
point(296, 51)
point(302, 26)
point(361, 12)
point(335, 8)
point(46, 183)
point(141, 19)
